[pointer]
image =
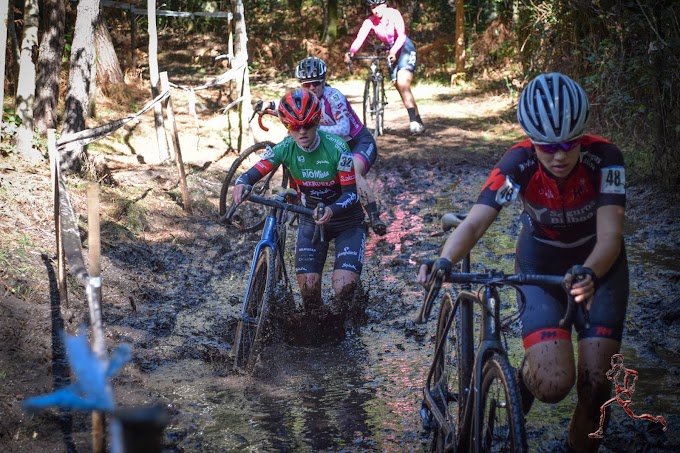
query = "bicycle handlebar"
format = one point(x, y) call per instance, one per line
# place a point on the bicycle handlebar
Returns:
point(279, 203)
point(261, 110)
point(488, 278)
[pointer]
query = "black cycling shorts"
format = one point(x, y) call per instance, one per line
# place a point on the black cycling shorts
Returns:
point(350, 240)
point(406, 59)
point(363, 146)
point(546, 305)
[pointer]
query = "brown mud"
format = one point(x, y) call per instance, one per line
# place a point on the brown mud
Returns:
point(173, 285)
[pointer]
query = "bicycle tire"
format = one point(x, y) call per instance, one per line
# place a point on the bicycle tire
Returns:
point(501, 398)
point(370, 104)
point(250, 216)
point(380, 102)
point(449, 374)
point(251, 326)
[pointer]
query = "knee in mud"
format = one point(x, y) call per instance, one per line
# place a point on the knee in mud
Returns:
point(550, 384)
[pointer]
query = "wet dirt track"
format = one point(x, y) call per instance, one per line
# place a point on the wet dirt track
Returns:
point(174, 291)
point(364, 393)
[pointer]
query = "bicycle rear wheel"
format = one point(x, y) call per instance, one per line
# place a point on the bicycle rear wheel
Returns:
point(371, 107)
point(250, 216)
point(380, 102)
point(503, 420)
point(451, 368)
point(251, 327)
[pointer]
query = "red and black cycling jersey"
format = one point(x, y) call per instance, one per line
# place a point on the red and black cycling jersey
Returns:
point(567, 217)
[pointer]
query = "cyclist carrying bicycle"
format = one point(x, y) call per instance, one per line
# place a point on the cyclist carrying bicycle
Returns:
point(388, 26)
point(572, 186)
point(322, 169)
point(339, 118)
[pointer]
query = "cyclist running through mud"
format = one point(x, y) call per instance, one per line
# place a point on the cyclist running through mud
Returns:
point(388, 26)
point(339, 118)
point(572, 186)
point(322, 169)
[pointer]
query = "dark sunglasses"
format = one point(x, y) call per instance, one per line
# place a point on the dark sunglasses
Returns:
point(308, 125)
point(552, 148)
point(312, 84)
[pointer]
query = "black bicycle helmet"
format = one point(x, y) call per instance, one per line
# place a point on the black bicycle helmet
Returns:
point(370, 3)
point(311, 68)
point(553, 109)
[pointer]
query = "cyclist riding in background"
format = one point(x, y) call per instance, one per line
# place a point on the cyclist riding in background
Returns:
point(338, 117)
point(321, 166)
point(388, 26)
point(572, 187)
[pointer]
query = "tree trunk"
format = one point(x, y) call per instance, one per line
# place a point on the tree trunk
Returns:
point(162, 140)
point(243, 84)
point(77, 98)
point(332, 7)
point(293, 5)
point(14, 49)
point(49, 65)
point(25, 98)
point(108, 66)
point(4, 8)
point(460, 36)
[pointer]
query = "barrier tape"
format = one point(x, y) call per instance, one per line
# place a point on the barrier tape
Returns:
point(82, 138)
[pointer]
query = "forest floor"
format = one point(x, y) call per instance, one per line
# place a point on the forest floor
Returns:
point(173, 283)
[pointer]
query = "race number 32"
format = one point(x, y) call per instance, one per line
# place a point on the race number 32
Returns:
point(613, 180)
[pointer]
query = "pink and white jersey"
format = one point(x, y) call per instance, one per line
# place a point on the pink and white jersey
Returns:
point(337, 115)
point(389, 29)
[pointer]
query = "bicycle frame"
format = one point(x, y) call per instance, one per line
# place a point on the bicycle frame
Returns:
point(490, 341)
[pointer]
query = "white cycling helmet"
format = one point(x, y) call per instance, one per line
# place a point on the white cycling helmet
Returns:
point(553, 109)
point(311, 68)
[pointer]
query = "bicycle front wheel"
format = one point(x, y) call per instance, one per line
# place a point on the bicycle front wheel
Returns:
point(251, 327)
point(371, 107)
point(449, 375)
point(250, 216)
point(501, 410)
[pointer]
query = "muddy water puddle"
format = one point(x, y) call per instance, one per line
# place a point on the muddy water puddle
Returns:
point(364, 394)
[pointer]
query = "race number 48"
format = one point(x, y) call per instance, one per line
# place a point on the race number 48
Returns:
point(508, 192)
point(613, 180)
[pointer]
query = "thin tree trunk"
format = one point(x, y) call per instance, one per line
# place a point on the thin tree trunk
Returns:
point(49, 65)
point(4, 7)
point(332, 7)
point(163, 153)
point(460, 36)
point(14, 49)
point(243, 84)
point(77, 98)
point(25, 98)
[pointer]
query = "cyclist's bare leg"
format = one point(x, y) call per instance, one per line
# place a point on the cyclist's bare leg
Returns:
point(549, 370)
point(344, 284)
point(310, 290)
point(365, 192)
point(367, 196)
point(593, 388)
point(403, 86)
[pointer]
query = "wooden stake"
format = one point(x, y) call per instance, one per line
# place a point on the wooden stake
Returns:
point(186, 201)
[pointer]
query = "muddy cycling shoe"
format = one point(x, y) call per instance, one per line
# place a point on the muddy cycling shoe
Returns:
point(379, 227)
point(524, 392)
